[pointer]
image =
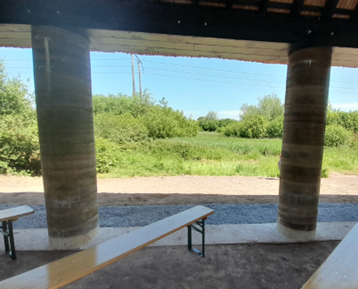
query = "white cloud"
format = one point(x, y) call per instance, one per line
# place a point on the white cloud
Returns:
point(346, 106)
point(229, 114)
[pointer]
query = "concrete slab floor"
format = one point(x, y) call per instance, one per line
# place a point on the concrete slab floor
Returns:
point(37, 239)
point(249, 266)
point(238, 256)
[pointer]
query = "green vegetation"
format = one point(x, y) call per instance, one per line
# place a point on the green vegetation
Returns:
point(205, 154)
point(215, 154)
point(337, 135)
point(264, 120)
point(269, 106)
point(19, 145)
point(211, 122)
point(348, 120)
point(126, 128)
point(135, 136)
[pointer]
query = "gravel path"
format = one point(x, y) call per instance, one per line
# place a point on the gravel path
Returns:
point(128, 216)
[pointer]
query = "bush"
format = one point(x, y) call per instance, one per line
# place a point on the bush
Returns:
point(19, 145)
point(209, 125)
point(120, 129)
point(275, 128)
point(337, 135)
point(254, 127)
point(348, 120)
point(226, 121)
point(164, 122)
point(214, 124)
point(106, 155)
point(233, 129)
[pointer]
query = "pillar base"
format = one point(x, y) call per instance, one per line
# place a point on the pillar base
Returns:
point(301, 236)
point(73, 242)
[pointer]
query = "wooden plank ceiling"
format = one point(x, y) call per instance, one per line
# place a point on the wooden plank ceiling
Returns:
point(211, 28)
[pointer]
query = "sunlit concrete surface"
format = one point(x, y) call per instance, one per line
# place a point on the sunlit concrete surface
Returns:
point(37, 239)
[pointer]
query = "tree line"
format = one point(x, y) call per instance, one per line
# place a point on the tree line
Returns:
point(123, 122)
point(120, 122)
point(265, 120)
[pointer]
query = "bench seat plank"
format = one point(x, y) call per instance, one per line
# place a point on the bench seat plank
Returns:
point(13, 214)
point(340, 270)
point(64, 271)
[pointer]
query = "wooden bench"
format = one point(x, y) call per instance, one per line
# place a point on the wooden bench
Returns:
point(340, 270)
point(64, 271)
point(7, 217)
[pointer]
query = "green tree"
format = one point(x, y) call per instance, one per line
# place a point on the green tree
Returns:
point(212, 115)
point(166, 122)
point(14, 95)
point(254, 127)
point(275, 127)
point(269, 106)
point(19, 144)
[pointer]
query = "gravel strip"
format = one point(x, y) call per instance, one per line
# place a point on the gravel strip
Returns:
point(129, 216)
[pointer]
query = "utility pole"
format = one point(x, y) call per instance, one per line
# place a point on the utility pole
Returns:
point(133, 75)
point(140, 80)
point(140, 75)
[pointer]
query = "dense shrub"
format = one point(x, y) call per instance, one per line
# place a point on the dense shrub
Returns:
point(214, 124)
point(233, 129)
point(106, 155)
point(254, 127)
point(114, 104)
point(164, 122)
point(19, 145)
point(337, 135)
point(209, 125)
point(120, 104)
point(275, 128)
point(226, 121)
point(119, 129)
point(348, 120)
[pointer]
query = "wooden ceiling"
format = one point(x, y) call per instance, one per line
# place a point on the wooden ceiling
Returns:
point(340, 9)
point(250, 30)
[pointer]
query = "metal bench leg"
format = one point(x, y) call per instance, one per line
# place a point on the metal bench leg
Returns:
point(203, 238)
point(202, 232)
point(12, 243)
point(190, 247)
point(6, 237)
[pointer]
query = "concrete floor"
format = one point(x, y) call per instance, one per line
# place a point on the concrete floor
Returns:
point(254, 266)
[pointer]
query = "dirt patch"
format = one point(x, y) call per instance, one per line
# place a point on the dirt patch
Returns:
point(257, 266)
point(338, 188)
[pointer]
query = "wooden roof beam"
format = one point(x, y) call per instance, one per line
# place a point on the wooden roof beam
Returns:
point(329, 8)
point(297, 7)
point(354, 16)
point(229, 4)
point(263, 6)
point(163, 19)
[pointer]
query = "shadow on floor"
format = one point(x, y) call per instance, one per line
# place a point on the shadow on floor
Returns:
point(254, 266)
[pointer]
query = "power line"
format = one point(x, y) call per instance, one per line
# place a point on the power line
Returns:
point(186, 72)
point(210, 75)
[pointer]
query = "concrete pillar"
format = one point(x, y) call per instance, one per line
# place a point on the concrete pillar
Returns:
point(303, 141)
point(64, 108)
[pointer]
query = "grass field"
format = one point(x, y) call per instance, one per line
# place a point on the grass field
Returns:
point(212, 154)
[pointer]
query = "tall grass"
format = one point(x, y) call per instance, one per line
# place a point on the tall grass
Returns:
point(207, 154)
point(211, 154)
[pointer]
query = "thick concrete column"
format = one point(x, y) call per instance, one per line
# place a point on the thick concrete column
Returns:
point(65, 119)
point(303, 141)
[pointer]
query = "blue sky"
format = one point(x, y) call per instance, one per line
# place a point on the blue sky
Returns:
point(193, 85)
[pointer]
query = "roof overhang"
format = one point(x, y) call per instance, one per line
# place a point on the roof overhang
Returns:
point(157, 28)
